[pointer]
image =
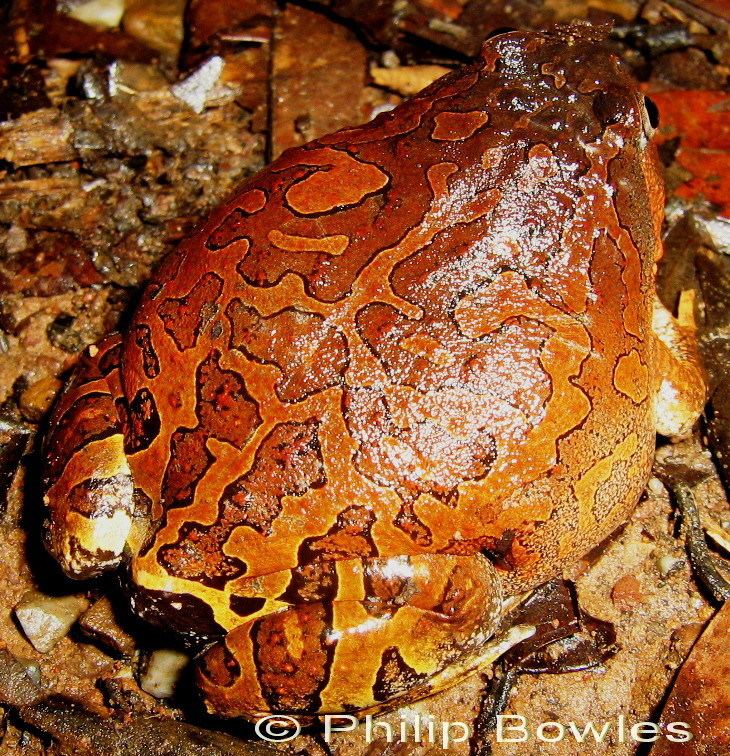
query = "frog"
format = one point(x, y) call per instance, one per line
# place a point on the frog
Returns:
point(406, 373)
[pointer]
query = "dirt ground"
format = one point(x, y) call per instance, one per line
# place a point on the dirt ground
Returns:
point(122, 123)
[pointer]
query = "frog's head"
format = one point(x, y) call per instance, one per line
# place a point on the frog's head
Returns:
point(569, 80)
point(568, 89)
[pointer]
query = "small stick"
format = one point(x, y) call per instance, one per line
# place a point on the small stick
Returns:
point(699, 555)
point(494, 701)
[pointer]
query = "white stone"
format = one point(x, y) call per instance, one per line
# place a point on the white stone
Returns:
point(194, 90)
point(161, 672)
point(47, 619)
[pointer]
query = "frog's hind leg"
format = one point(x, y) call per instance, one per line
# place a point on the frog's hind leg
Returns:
point(391, 630)
point(681, 392)
point(92, 510)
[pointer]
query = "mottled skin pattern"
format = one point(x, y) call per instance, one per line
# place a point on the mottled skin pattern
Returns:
point(405, 372)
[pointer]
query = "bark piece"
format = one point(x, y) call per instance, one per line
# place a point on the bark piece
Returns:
point(77, 731)
point(43, 136)
point(713, 273)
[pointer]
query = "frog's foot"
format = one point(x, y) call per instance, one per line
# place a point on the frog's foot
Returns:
point(681, 393)
point(401, 629)
point(92, 509)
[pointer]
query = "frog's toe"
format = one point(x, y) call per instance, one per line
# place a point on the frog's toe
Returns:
point(93, 513)
point(88, 521)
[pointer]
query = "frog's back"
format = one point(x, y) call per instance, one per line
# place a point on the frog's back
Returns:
point(429, 333)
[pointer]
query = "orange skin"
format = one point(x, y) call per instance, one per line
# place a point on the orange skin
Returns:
point(404, 373)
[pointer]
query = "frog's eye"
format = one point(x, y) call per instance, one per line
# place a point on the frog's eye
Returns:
point(500, 30)
point(652, 111)
point(650, 117)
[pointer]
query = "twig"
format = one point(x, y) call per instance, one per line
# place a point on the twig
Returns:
point(699, 555)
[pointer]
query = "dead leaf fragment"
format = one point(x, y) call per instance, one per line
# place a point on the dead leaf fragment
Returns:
point(701, 694)
point(407, 80)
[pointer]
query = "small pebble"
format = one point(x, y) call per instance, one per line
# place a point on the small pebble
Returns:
point(158, 25)
point(668, 564)
point(105, 14)
point(655, 486)
point(160, 671)
point(33, 671)
point(718, 229)
point(46, 619)
point(384, 108)
point(390, 59)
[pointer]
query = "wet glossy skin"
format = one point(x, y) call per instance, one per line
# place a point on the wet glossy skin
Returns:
point(405, 372)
